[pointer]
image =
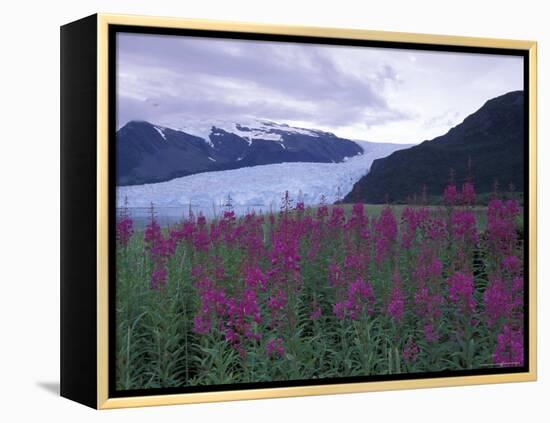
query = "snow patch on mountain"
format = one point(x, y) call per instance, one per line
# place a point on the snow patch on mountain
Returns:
point(248, 130)
point(160, 131)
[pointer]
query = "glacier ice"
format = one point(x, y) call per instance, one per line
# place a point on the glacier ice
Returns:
point(257, 187)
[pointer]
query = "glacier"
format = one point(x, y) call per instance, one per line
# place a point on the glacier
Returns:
point(258, 188)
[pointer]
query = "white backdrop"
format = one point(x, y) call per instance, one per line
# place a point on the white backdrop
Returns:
point(29, 234)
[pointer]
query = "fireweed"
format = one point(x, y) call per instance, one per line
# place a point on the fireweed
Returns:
point(396, 306)
point(319, 292)
point(124, 227)
point(159, 249)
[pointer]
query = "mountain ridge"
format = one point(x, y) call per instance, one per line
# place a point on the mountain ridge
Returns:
point(150, 153)
point(486, 147)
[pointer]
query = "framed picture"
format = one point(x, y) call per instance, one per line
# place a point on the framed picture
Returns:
point(256, 211)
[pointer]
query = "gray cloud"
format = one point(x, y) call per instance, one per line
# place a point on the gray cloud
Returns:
point(162, 76)
point(448, 118)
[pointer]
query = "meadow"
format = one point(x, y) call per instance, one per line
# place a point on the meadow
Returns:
point(325, 292)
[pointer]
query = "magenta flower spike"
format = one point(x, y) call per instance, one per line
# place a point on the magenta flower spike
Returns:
point(450, 195)
point(468, 194)
point(275, 348)
point(410, 351)
point(509, 349)
point(461, 291)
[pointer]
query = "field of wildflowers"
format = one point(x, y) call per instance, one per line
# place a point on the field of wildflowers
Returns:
point(324, 292)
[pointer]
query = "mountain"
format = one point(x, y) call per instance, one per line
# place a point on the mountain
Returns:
point(488, 145)
point(148, 153)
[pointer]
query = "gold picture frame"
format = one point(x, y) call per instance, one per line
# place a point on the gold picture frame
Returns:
point(99, 25)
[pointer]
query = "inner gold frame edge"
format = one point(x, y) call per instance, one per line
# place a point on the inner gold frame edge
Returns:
point(103, 21)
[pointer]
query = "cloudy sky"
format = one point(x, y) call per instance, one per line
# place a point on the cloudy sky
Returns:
point(372, 94)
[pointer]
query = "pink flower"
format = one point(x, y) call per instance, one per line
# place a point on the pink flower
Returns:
point(437, 230)
point(240, 313)
point(158, 249)
point(255, 278)
point(201, 220)
point(517, 292)
point(463, 225)
point(501, 227)
point(153, 235)
point(450, 194)
point(315, 314)
point(461, 291)
point(428, 268)
point(359, 302)
point(503, 301)
point(201, 324)
point(512, 264)
point(337, 218)
point(275, 348)
point(412, 221)
point(124, 230)
point(212, 307)
point(386, 225)
point(229, 215)
point(434, 268)
point(428, 305)
point(509, 349)
point(385, 228)
point(430, 333)
point(410, 351)
point(158, 278)
point(497, 301)
point(468, 193)
point(339, 310)
point(315, 240)
point(276, 303)
point(201, 240)
point(322, 212)
point(124, 226)
point(396, 305)
point(335, 275)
